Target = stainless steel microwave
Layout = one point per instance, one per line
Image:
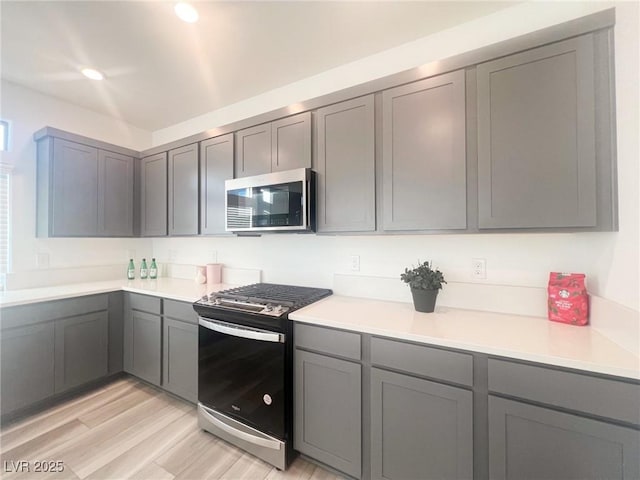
(274, 202)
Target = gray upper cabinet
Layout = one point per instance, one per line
(345, 166)
(216, 166)
(74, 187)
(153, 195)
(26, 365)
(424, 155)
(81, 349)
(280, 145)
(84, 189)
(183, 195)
(527, 441)
(115, 194)
(536, 141)
(291, 142)
(253, 151)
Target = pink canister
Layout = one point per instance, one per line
(214, 272)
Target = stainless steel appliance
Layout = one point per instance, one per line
(274, 202)
(245, 366)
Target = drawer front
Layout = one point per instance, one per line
(144, 303)
(598, 396)
(422, 360)
(326, 340)
(181, 311)
(44, 311)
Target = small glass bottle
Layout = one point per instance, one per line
(143, 269)
(131, 270)
(153, 271)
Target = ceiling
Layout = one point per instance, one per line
(161, 71)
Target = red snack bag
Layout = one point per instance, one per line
(568, 298)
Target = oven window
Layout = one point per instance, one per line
(243, 378)
(268, 206)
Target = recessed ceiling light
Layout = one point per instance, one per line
(92, 73)
(186, 12)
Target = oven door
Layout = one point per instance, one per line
(241, 374)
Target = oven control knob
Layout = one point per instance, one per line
(278, 309)
(268, 307)
(267, 399)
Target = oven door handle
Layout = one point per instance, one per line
(252, 334)
(247, 437)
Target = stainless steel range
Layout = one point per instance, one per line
(245, 366)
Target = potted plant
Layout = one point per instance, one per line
(425, 284)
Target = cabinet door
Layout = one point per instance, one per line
(346, 166)
(419, 429)
(291, 142)
(153, 195)
(216, 166)
(327, 411)
(143, 346)
(26, 365)
(536, 143)
(81, 349)
(115, 194)
(253, 151)
(534, 442)
(183, 190)
(180, 362)
(424, 154)
(74, 187)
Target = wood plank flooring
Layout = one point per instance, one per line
(129, 430)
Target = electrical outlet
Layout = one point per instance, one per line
(479, 268)
(354, 263)
(42, 260)
(214, 256)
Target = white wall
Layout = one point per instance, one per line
(610, 260)
(29, 111)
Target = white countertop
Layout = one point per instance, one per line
(173, 288)
(526, 338)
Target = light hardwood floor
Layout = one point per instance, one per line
(128, 430)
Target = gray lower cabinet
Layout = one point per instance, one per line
(424, 154)
(182, 190)
(180, 350)
(536, 138)
(143, 339)
(27, 365)
(328, 411)
(419, 429)
(270, 147)
(345, 166)
(84, 189)
(216, 166)
(81, 349)
(153, 195)
(527, 441)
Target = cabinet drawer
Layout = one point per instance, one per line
(45, 311)
(181, 311)
(574, 391)
(421, 360)
(333, 342)
(145, 303)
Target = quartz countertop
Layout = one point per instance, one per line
(173, 288)
(520, 337)
(533, 339)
